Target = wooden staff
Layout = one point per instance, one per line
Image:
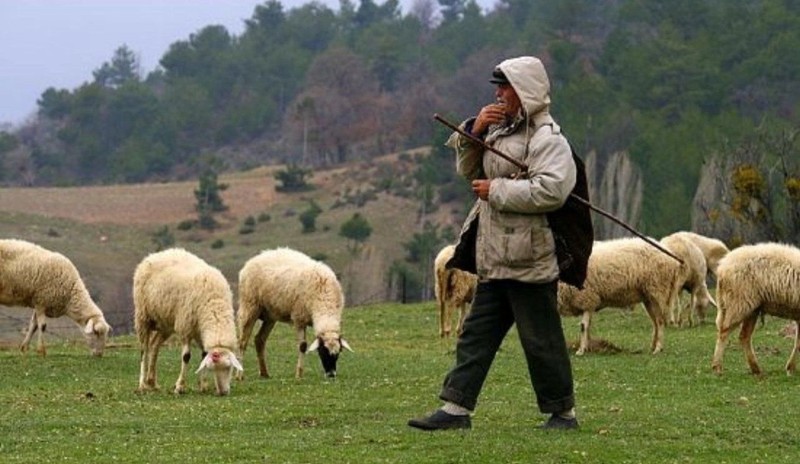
(524, 171)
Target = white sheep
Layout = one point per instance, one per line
(48, 282)
(176, 292)
(692, 277)
(284, 285)
(622, 273)
(454, 289)
(753, 280)
(713, 249)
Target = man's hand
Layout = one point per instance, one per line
(481, 188)
(494, 113)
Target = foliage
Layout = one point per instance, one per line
(668, 83)
(209, 200)
(633, 407)
(293, 179)
(308, 218)
(356, 229)
(163, 238)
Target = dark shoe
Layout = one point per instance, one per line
(441, 420)
(557, 422)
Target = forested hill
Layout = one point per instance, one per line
(667, 84)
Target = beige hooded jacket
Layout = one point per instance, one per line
(514, 240)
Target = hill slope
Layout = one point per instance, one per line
(107, 230)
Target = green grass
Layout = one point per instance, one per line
(633, 407)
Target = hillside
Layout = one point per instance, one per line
(107, 230)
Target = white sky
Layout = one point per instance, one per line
(58, 43)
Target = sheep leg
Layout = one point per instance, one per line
(261, 344)
(790, 364)
(445, 316)
(746, 340)
(154, 344)
(302, 346)
(32, 327)
(586, 324)
(657, 318)
(186, 355)
(144, 342)
(723, 331)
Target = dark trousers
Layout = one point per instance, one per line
(497, 306)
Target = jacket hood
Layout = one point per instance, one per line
(529, 79)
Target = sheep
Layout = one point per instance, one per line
(285, 285)
(692, 276)
(48, 282)
(176, 292)
(621, 273)
(752, 280)
(713, 251)
(453, 288)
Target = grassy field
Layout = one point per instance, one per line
(633, 407)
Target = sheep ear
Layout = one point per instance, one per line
(204, 364)
(314, 345)
(713, 302)
(346, 345)
(89, 329)
(235, 363)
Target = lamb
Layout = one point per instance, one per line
(176, 292)
(753, 280)
(287, 286)
(48, 282)
(692, 276)
(454, 289)
(622, 273)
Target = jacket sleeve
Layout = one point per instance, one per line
(469, 154)
(552, 174)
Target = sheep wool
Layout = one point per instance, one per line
(454, 289)
(48, 282)
(752, 280)
(284, 285)
(176, 292)
(713, 249)
(691, 277)
(621, 273)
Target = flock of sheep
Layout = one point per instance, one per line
(177, 293)
(752, 280)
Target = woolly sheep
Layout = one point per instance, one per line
(713, 250)
(48, 282)
(176, 292)
(287, 286)
(621, 273)
(692, 277)
(454, 289)
(753, 280)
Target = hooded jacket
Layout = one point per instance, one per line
(512, 238)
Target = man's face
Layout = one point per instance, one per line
(506, 95)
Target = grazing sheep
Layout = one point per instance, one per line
(622, 273)
(176, 292)
(692, 278)
(754, 280)
(454, 288)
(288, 286)
(713, 250)
(48, 282)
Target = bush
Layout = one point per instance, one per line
(218, 243)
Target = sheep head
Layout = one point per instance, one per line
(96, 332)
(329, 345)
(221, 362)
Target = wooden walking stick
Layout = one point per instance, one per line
(524, 171)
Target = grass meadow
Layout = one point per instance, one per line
(633, 407)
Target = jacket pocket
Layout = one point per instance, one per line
(525, 241)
